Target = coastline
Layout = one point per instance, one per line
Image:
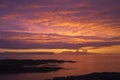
(12, 66)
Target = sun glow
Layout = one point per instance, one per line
(106, 50)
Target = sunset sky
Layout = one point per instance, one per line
(60, 25)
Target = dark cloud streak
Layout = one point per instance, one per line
(21, 43)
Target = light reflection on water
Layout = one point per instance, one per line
(85, 64)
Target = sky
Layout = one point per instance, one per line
(60, 25)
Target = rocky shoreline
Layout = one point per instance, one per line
(30, 66)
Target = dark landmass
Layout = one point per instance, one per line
(92, 76)
(29, 66)
(14, 70)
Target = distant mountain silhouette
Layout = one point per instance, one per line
(76, 53)
(31, 53)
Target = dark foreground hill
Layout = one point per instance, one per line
(92, 76)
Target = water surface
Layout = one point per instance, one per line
(84, 64)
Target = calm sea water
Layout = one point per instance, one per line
(85, 64)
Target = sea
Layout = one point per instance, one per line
(85, 64)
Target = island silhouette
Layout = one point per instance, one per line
(12, 66)
(76, 52)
